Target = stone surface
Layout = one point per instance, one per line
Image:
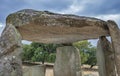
(34, 70)
(48, 27)
(105, 58)
(67, 62)
(115, 36)
(100, 59)
(10, 50)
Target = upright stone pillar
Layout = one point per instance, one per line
(34, 70)
(10, 51)
(105, 58)
(67, 62)
(100, 59)
(115, 36)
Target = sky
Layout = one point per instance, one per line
(102, 9)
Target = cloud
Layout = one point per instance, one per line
(103, 9)
(98, 7)
(108, 7)
(94, 7)
(49, 4)
(115, 17)
(79, 6)
(1, 28)
(1, 25)
(73, 8)
(7, 7)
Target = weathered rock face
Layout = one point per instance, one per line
(101, 59)
(10, 50)
(115, 36)
(67, 62)
(34, 70)
(105, 58)
(47, 27)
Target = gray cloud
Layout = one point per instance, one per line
(103, 9)
(98, 7)
(8, 6)
(79, 7)
(49, 4)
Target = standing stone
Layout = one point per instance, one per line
(34, 70)
(38, 70)
(67, 62)
(100, 59)
(115, 36)
(10, 51)
(105, 57)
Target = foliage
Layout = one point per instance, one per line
(28, 52)
(92, 57)
(40, 55)
(47, 52)
(39, 52)
(87, 52)
(51, 58)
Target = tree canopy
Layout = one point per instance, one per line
(47, 52)
(39, 52)
(87, 52)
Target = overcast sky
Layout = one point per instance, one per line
(103, 9)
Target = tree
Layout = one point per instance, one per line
(40, 52)
(46, 52)
(51, 57)
(87, 52)
(27, 52)
(92, 57)
(40, 55)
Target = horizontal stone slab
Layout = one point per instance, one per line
(48, 27)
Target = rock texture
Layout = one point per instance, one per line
(100, 59)
(34, 70)
(48, 27)
(105, 58)
(10, 50)
(115, 36)
(67, 62)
